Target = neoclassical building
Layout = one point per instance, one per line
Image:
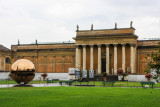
(103, 50)
(106, 50)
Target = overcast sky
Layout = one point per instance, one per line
(56, 20)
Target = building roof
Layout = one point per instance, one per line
(59, 42)
(149, 39)
(3, 48)
(106, 33)
(44, 46)
(148, 42)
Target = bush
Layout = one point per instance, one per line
(104, 74)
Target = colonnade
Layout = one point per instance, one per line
(132, 57)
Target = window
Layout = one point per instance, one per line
(7, 60)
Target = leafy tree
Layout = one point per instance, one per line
(154, 62)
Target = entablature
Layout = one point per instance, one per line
(107, 41)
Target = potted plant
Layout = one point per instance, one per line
(44, 75)
(148, 76)
(128, 70)
(119, 71)
(104, 76)
(123, 74)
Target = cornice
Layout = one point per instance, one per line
(102, 37)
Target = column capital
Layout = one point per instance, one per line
(123, 44)
(77, 46)
(107, 45)
(91, 45)
(99, 45)
(132, 44)
(84, 45)
(115, 44)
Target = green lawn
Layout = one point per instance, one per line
(97, 83)
(120, 84)
(79, 97)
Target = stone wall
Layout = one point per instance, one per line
(4, 76)
(61, 76)
(49, 58)
(138, 78)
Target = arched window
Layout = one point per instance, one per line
(7, 60)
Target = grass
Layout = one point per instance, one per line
(120, 84)
(79, 97)
(97, 83)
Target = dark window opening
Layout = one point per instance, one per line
(7, 60)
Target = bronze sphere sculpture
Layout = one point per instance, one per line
(22, 71)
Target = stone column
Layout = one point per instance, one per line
(76, 56)
(79, 58)
(91, 57)
(99, 58)
(132, 57)
(123, 58)
(54, 63)
(107, 58)
(115, 58)
(84, 57)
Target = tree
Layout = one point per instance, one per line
(154, 62)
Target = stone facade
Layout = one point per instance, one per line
(99, 50)
(113, 49)
(144, 49)
(5, 59)
(49, 58)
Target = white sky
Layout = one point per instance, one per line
(56, 20)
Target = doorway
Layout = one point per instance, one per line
(103, 65)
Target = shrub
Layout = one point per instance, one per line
(104, 74)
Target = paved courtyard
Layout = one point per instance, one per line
(30, 85)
